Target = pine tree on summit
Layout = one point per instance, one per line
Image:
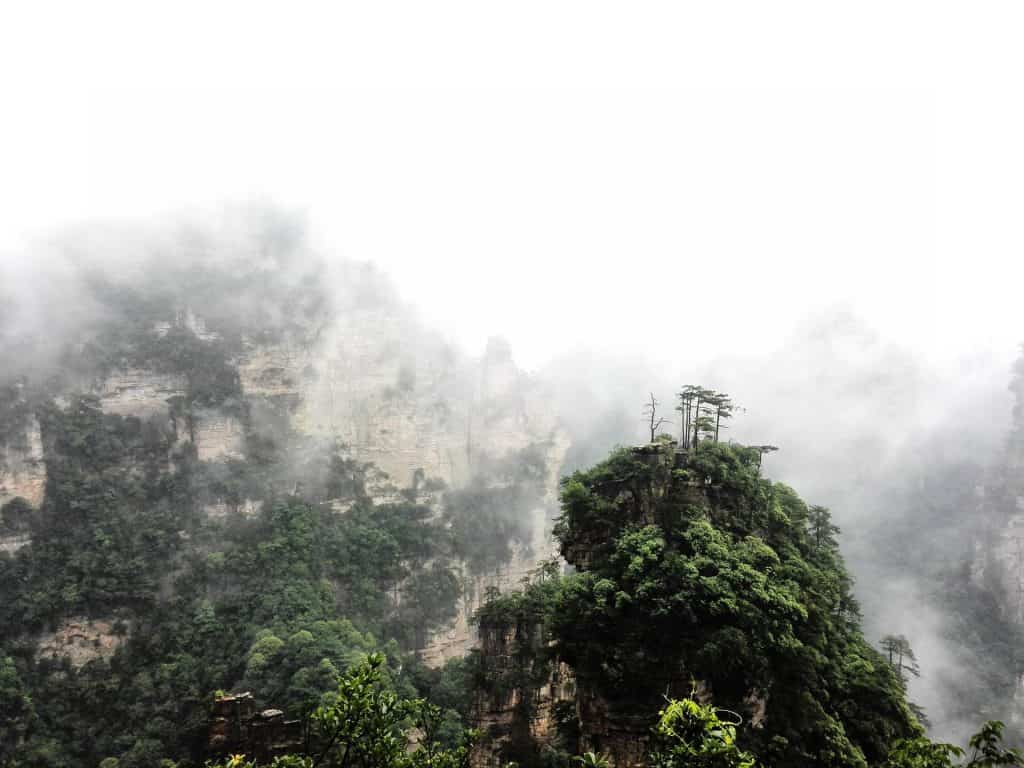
(703, 412)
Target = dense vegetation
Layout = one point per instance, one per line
(274, 569)
(291, 569)
(278, 602)
(701, 569)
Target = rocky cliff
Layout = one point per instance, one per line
(359, 372)
(531, 703)
(694, 576)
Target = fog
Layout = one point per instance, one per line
(823, 224)
(873, 428)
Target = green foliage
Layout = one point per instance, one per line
(279, 601)
(16, 710)
(705, 570)
(112, 508)
(15, 416)
(901, 656)
(592, 760)
(15, 515)
(493, 513)
(986, 747)
(693, 735)
(364, 724)
(295, 574)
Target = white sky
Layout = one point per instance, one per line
(558, 173)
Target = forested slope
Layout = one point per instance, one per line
(193, 495)
(693, 575)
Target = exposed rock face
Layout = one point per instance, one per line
(141, 393)
(237, 728)
(998, 539)
(532, 700)
(623, 734)
(997, 565)
(371, 379)
(515, 719)
(274, 371)
(458, 638)
(22, 471)
(14, 542)
(80, 640)
(403, 400)
(217, 436)
(249, 508)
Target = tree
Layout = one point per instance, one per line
(686, 397)
(762, 450)
(922, 753)
(650, 411)
(724, 409)
(693, 735)
(821, 528)
(366, 725)
(16, 711)
(986, 746)
(703, 412)
(901, 656)
(693, 404)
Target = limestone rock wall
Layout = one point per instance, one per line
(248, 508)
(138, 392)
(373, 379)
(998, 561)
(461, 635)
(22, 471)
(398, 397)
(515, 719)
(217, 436)
(80, 640)
(522, 721)
(404, 400)
(14, 542)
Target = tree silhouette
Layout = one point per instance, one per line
(650, 411)
(703, 411)
(901, 656)
(762, 450)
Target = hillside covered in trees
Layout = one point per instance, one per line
(236, 482)
(227, 475)
(692, 574)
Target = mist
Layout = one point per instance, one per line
(414, 265)
(898, 446)
(866, 425)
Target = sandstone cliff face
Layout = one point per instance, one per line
(139, 392)
(998, 535)
(369, 378)
(402, 399)
(22, 472)
(460, 636)
(516, 718)
(80, 640)
(22, 476)
(532, 700)
(552, 711)
(993, 527)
